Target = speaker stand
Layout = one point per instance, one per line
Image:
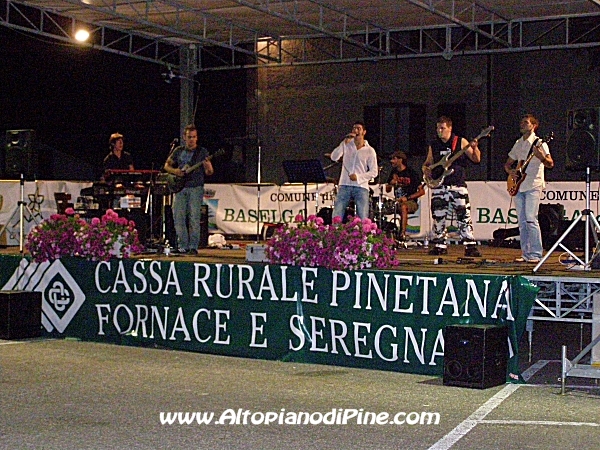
(591, 226)
(20, 208)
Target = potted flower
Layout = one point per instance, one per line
(357, 244)
(69, 235)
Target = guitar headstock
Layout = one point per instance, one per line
(485, 132)
(548, 137)
(216, 154)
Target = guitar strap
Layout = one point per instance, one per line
(534, 143)
(454, 142)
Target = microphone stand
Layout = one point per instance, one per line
(258, 193)
(150, 241)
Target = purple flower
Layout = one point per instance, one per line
(69, 235)
(357, 244)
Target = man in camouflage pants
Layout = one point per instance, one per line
(452, 192)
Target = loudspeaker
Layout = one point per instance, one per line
(575, 240)
(142, 222)
(21, 156)
(550, 218)
(475, 356)
(583, 130)
(393, 126)
(20, 314)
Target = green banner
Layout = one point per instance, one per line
(386, 320)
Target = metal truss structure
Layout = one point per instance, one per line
(227, 34)
(570, 300)
(564, 299)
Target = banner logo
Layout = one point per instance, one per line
(61, 295)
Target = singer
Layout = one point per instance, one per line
(117, 159)
(359, 165)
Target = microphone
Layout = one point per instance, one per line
(350, 136)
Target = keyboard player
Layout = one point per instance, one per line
(117, 159)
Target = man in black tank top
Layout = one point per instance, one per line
(452, 193)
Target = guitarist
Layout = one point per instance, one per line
(527, 199)
(452, 193)
(187, 203)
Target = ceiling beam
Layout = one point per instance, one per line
(40, 22)
(346, 35)
(129, 11)
(453, 17)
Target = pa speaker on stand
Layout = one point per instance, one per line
(21, 155)
(583, 133)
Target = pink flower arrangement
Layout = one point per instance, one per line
(68, 235)
(357, 244)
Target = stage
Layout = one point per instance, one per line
(218, 302)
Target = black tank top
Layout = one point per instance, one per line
(441, 149)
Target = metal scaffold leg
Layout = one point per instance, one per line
(573, 368)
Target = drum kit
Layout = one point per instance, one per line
(382, 210)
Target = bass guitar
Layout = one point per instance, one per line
(441, 169)
(176, 184)
(514, 181)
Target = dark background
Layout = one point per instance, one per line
(74, 98)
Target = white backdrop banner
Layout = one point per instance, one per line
(234, 209)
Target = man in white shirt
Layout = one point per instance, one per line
(359, 166)
(528, 192)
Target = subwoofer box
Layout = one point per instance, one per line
(20, 314)
(475, 356)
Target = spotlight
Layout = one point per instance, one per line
(82, 35)
(169, 76)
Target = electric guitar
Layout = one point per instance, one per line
(176, 184)
(514, 181)
(441, 169)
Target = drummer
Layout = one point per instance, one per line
(407, 186)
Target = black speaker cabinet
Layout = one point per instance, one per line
(20, 314)
(21, 157)
(141, 219)
(583, 133)
(396, 125)
(575, 240)
(550, 217)
(475, 356)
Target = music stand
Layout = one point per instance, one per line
(305, 171)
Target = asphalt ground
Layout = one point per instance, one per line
(68, 394)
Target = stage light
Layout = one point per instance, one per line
(82, 35)
(169, 76)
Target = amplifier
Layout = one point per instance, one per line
(20, 314)
(475, 356)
